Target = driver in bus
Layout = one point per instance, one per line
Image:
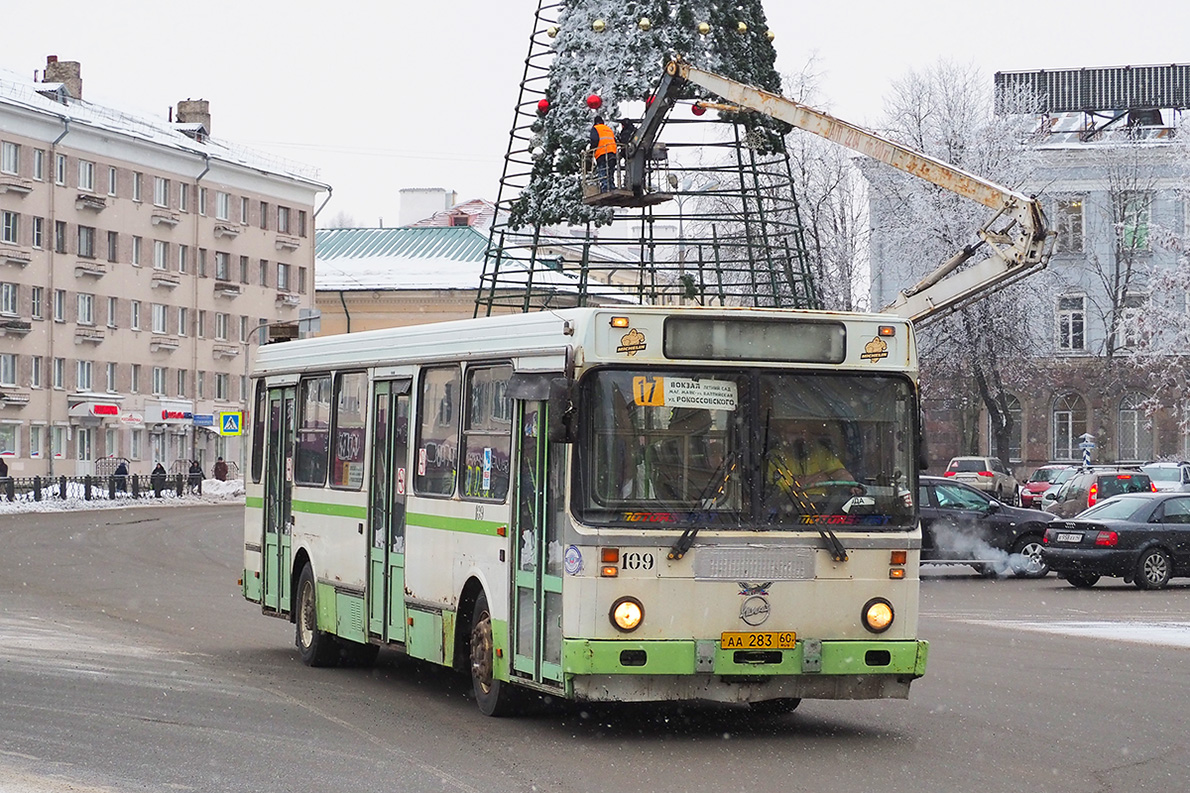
(802, 456)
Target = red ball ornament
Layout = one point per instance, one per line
(543, 106)
(594, 102)
(697, 110)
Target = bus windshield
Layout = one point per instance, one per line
(756, 449)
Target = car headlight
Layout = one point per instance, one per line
(877, 615)
(627, 614)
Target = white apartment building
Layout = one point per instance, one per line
(138, 259)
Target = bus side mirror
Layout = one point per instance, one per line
(561, 413)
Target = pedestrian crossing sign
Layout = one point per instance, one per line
(231, 423)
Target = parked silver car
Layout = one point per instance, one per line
(987, 474)
(1169, 477)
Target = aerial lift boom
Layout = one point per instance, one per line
(1017, 234)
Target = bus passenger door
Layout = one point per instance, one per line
(537, 606)
(386, 515)
(278, 497)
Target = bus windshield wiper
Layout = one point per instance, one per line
(714, 491)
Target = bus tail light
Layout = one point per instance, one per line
(896, 561)
(609, 562)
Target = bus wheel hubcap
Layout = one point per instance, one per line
(481, 653)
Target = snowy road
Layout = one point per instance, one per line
(128, 661)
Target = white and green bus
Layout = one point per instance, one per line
(581, 503)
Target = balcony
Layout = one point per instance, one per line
(164, 217)
(228, 289)
(10, 183)
(167, 343)
(287, 242)
(10, 397)
(94, 203)
(164, 279)
(288, 299)
(226, 230)
(17, 256)
(90, 269)
(11, 326)
(86, 334)
(225, 351)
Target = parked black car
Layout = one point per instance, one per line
(1140, 537)
(961, 525)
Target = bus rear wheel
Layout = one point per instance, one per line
(494, 697)
(317, 648)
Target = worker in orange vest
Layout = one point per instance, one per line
(603, 149)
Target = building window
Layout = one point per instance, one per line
(10, 158)
(35, 371)
(86, 305)
(200, 385)
(10, 436)
(1133, 430)
(1071, 323)
(83, 439)
(202, 201)
(86, 176)
(137, 181)
(183, 250)
(183, 198)
(112, 180)
(159, 318)
(244, 329)
(10, 226)
(301, 271)
(301, 223)
(1135, 209)
(59, 305)
(222, 206)
(59, 236)
(201, 324)
(37, 302)
(221, 326)
(111, 311)
(8, 370)
(59, 373)
(58, 442)
(134, 378)
(264, 272)
(1127, 321)
(39, 164)
(1070, 424)
(264, 215)
(183, 318)
(222, 266)
(243, 269)
(113, 246)
(283, 220)
(38, 232)
(134, 314)
(138, 445)
(137, 244)
(181, 382)
(160, 191)
(159, 381)
(244, 210)
(160, 255)
(282, 277)
(60, 170)
(111, 377)
(8, 298)
(202, 262)
(86, 248)
(83, 380)
(1069, 223)
(221, 387)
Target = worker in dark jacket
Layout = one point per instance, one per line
(603, 149)
(157, 480)
(195, 477)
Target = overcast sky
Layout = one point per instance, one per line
(384, 95)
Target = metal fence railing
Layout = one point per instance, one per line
(94, 488)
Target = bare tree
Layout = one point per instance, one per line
(340, 220)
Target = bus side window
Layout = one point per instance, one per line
(487, 433)
(314, 431)
(438, 409)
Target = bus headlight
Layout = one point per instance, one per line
(877, 615)
(627, 614)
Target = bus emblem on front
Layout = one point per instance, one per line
(755, 610)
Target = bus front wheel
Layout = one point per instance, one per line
(494, 697)
(317, 648)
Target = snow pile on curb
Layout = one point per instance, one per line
(213, 492)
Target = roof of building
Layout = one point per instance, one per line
(17, 91)
(433, 257)
(477, 212)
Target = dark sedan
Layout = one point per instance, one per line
(961, 525)
(1140, 537)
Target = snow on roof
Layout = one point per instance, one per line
(18, 91)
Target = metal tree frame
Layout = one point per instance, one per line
(739, 239)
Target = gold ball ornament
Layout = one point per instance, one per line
(742, 27)
(644, 24)
(552, 31)
(770, 35)
(598, 26)
(704, 28)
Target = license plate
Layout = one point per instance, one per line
(764, 640)
(1063, 537)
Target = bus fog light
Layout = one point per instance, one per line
(627, 614)
(877, 615)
